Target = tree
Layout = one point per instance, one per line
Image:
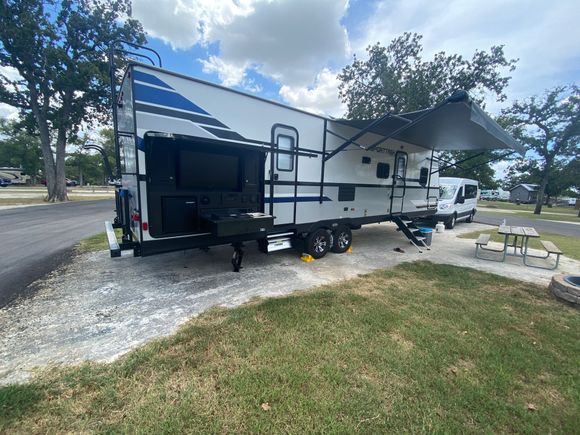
(396, 79)
(58, 50)
(476, 168)
(19, 149)
(549, 127)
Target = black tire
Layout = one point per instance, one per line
(451, 222)
(318, 243)
(470, 217)
(341, 239)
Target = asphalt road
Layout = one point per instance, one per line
(496, 218)
(34, 240)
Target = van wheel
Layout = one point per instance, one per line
(341, 239)
(470, 217)
(451, 222)
(318, 243)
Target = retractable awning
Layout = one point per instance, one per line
(454, 124)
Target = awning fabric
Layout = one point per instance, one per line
(456, 124)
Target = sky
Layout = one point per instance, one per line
(291, 50)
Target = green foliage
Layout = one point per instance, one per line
(58, 50)
(549, 127)
(474, 168)
(397, 79)
(19, 149)
(413, 349)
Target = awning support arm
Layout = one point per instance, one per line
(357, 136)
(478, 165)
(340, 136)
(446, 161)
(410, 124)
(456, 164)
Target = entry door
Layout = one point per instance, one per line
(399, 183)
(283, 170)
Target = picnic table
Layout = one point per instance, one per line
(522, 236)
(525, 233)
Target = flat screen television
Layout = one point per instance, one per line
(209, 171)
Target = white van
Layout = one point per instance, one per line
(457, 200)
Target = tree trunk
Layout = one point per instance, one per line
(540, 198)
(60, 182)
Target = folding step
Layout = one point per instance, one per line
(279, 242)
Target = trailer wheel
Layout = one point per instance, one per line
(341, 239)
(318, 243)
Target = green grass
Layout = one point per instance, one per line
(416, 348)
(570, 245)
(40, 200)
(98, 242)
(525, 207)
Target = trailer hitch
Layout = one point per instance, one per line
(237, 256)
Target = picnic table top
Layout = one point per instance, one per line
(518, 231)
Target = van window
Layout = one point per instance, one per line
(447, 191)
(470, 191)
(285, 162)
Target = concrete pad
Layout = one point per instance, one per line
(98, 308)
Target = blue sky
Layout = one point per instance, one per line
(291, 51)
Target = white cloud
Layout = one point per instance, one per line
(8, 112)
(543, 35)
(229, 74)
(184, 23)
(322, 98)
(10, 73)
(290, 41)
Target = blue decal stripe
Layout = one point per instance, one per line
(165, 98)
(148, 78)
(223, 134)
(297, 199)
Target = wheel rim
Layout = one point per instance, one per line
(320, 244)
(453, 221)
(343, 240)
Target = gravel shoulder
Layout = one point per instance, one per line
(97, 308)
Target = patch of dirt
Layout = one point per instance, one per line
(403, 343)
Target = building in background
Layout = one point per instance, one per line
(524, 193)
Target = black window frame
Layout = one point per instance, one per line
(293, 139)
(467, 186)
(423, 175)
(379, 173)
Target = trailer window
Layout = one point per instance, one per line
(285, 162)
(383, 170)
(423, 176)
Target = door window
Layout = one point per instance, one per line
(401, 167)
(284, 161)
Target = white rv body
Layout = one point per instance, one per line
(300, 190)
(202, 165)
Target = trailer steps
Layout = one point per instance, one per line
(414, 234)
(278, 242)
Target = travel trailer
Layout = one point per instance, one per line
(202, 165)
(16, 176)
(457, 201)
